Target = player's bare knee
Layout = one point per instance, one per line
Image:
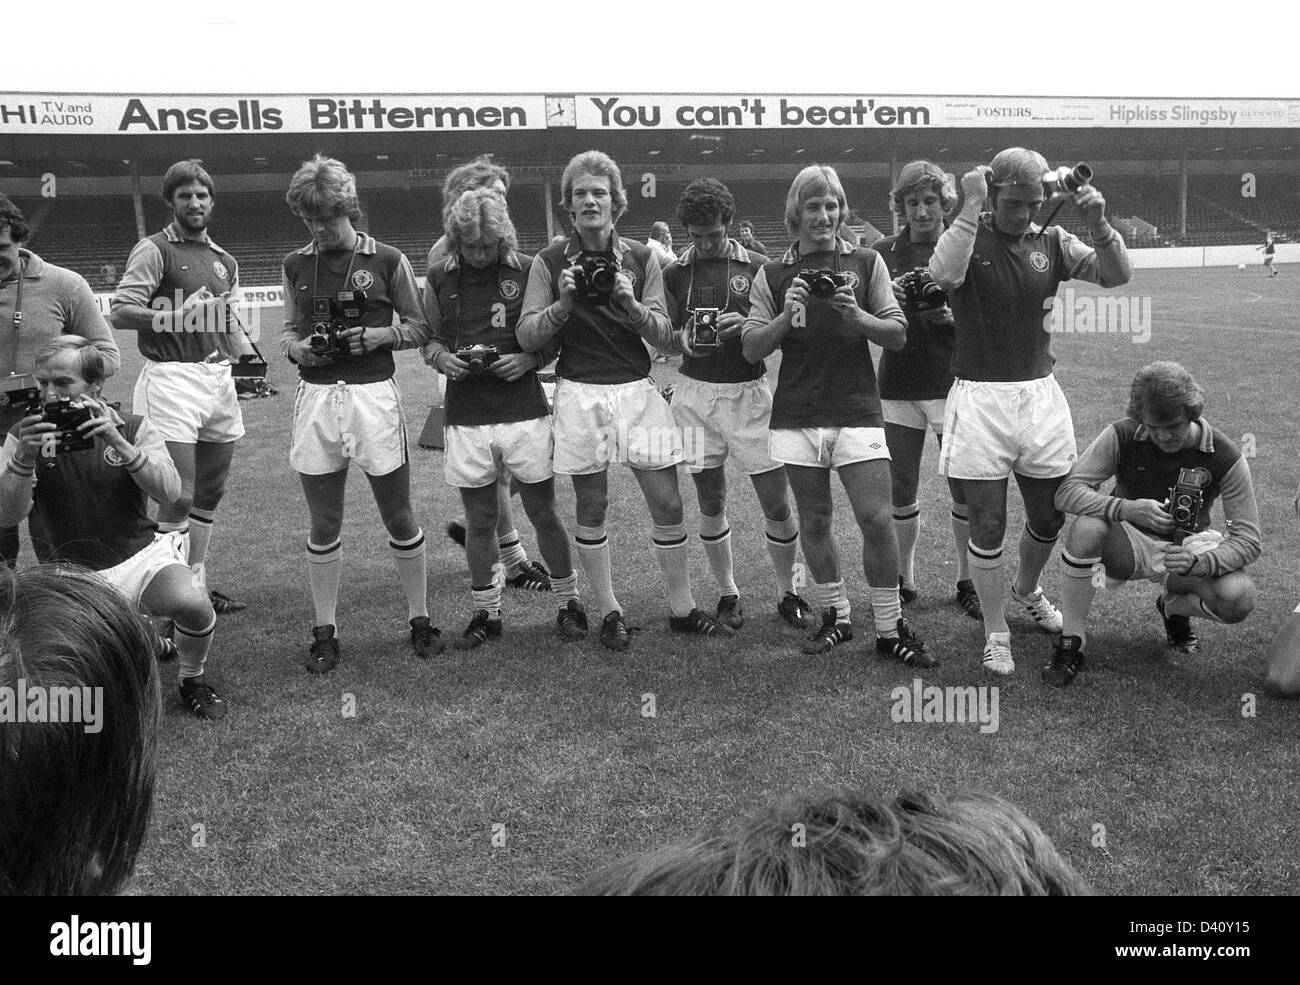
(1087, 536)
(1235, 599)
(815, 522)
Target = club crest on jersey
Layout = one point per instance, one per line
(1038, 261)
(851, 279)
(509, 289)
(739, 284)
(112, 457)
(219, 269)
(362, 279)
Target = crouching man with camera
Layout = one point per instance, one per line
(88, 475)
(1169, 466)
(599, 295)
(341, 292)
(497, 418)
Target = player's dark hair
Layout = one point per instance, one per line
(857, 844)
(704, 202)
(182, 173)
(323, 186)
(90, 361)
(1164, 390)
(12, 216)
(74, 805)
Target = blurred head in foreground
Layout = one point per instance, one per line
(78, 760)
(856, 844)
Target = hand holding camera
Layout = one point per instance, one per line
(514, 365)
(337, 326)
(917, 291)
(60, 426)
(1147, 514)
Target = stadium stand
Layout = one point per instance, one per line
(85, 233)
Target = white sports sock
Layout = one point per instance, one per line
(670, 551)
(991, 587)
(907, 527)
(783, 547)
(412, 572)
(715, 532)
(324, 566)
(593, 551)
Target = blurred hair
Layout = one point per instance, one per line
(74, 806)
(856, 844)
(601, 165)
(922, 176)
(660, 231)
(90, 361)
(1164, 390)
(323, 186)
(706, 201)
(182, 173)
(816, 179)
(12, 216)
(1018, 166)
(478, 173)
(479, 214)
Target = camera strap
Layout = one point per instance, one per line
(18, 312)
(690, 284)
(347, 275)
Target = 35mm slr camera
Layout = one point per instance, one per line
(19, 388)
(478, 357)
(331, 316)
(594, 281)
(823, 283)
(920, 292)
(67, 415)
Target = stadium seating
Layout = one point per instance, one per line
(85, 233)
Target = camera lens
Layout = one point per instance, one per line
(603, 280)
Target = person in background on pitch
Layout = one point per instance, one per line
(521, 572)
(177, 295)
(497, 417)
(74, 803)
(748, 240)
(1270, 251)
(822, 304)
(725, 400)
(606, 407)
(38, 302)
(1006, 413)
(915, 380)
(1129, 535)
(347, 406)
(93, 506)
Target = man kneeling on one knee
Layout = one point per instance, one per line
(1165, 459)
(88, 479)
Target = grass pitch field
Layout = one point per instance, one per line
(548, 741)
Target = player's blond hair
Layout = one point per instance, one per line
(323, 186)
(479, 214)
(816, 179)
